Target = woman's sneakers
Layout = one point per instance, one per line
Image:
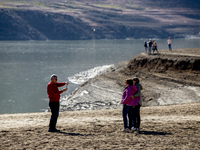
(131, 130)
(135, 129)
(126, 130)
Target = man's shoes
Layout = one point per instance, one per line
(53, 130)
(57, 130)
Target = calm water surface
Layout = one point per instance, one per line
(25, 66)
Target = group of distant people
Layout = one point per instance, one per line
(152, 46)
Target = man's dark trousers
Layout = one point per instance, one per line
(54, 106)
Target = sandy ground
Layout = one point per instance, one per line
(162, 127)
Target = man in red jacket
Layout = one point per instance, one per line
(54, 98)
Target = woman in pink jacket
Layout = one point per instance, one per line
(128, 104)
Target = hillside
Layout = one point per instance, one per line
(97, 19)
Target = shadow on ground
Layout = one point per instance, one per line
(74, 134)
(154, 133)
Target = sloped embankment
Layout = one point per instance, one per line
(165, 62)
(179, 65)
(167, 77)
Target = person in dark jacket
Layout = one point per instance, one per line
(150, 46)
(136, 109)
(145, 46)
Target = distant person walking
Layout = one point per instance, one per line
(169, 44)
(54, 99)
(136, 109)
(128, 104)
(145, 46)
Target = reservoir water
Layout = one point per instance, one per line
(25, 66)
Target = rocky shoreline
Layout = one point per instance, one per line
(167, 77)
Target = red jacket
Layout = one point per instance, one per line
(53, 92)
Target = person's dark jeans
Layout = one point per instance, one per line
(127, 110)
(170, 47)
(136, 116)
(54, 106)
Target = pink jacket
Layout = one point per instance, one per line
(126, 96)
